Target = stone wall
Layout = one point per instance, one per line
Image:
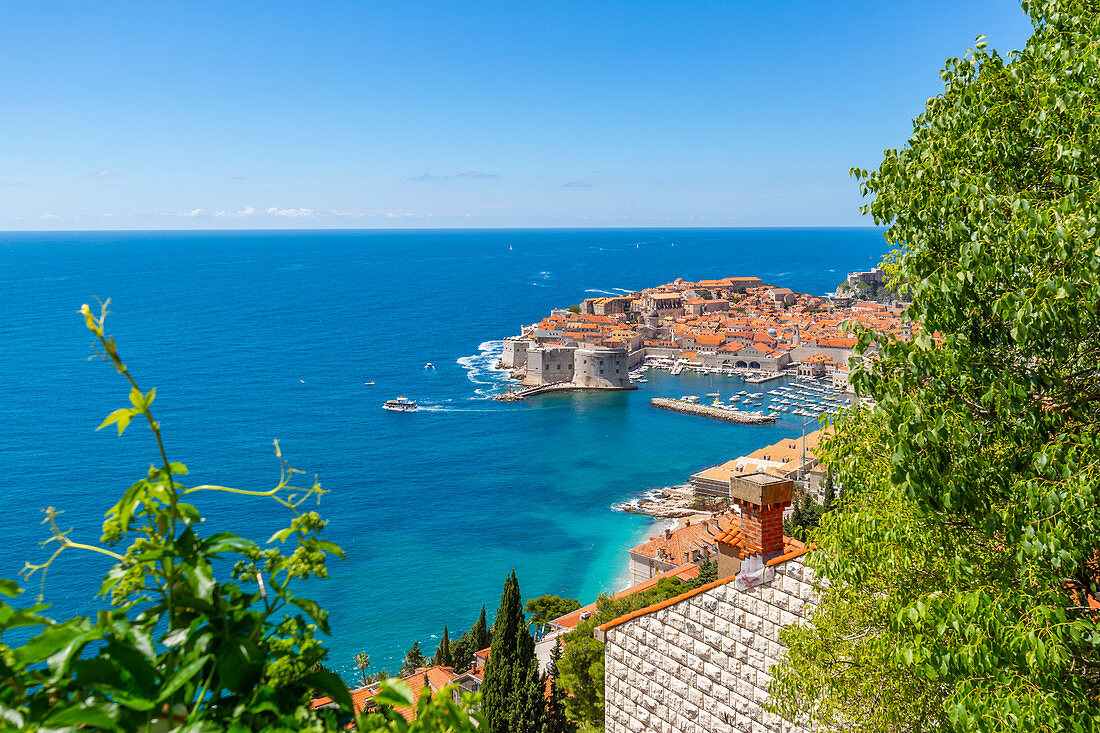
(514, 352)
(601, 368)
(549, 364)
(703, 664)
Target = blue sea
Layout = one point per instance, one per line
(255, 336)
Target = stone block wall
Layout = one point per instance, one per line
(702, 665)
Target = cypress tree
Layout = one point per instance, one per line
(480, 632)
(528, 697)
(462, 651)
(443, 656)
(556, 720)
(511, 652)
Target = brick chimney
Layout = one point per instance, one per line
(762, 499)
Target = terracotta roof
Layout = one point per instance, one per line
(437, 677)
(792, 548)
(686, 540)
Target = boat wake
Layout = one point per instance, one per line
(448, 408)
(612, 292)
(481, 369)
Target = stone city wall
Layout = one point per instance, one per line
(702, 664)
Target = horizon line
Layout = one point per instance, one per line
(434, 229)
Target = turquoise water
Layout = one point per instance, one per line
(252, 336)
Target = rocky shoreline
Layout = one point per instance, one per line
(670, 502)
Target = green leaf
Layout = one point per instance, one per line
(330, 547)
(53, 640)
(329, 683)
(281, 535)
(182, 676)
(228, 542)
(240, 663)
(395, 693)
(9, 588)
(120, 417)
(82, 716)
(317, 613)
(202, 580)
(175, 637)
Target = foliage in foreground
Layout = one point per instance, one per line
(966, 549)
(180, 648)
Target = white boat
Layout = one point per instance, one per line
(429, 365)
(369, 384)
(401, 404)
(712, 394)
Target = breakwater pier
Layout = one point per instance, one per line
(522, 394)
(719, 413)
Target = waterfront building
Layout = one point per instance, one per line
(790, 458)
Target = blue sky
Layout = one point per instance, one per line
(492, 114)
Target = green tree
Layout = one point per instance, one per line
(556, 720)
(474, 640)
(443, 656)
(965, 552)
(481, 633)
(708, 573)
(529, 697)
(508, 670)
(574, 309)
(549, 607)
(805, 517)
(462, 652)
(414, 660)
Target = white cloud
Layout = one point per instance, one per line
(296, 213)
(104, 173)
(194, 212)
(246, 211)
(49, 217)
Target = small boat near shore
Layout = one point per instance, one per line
(401, 404)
